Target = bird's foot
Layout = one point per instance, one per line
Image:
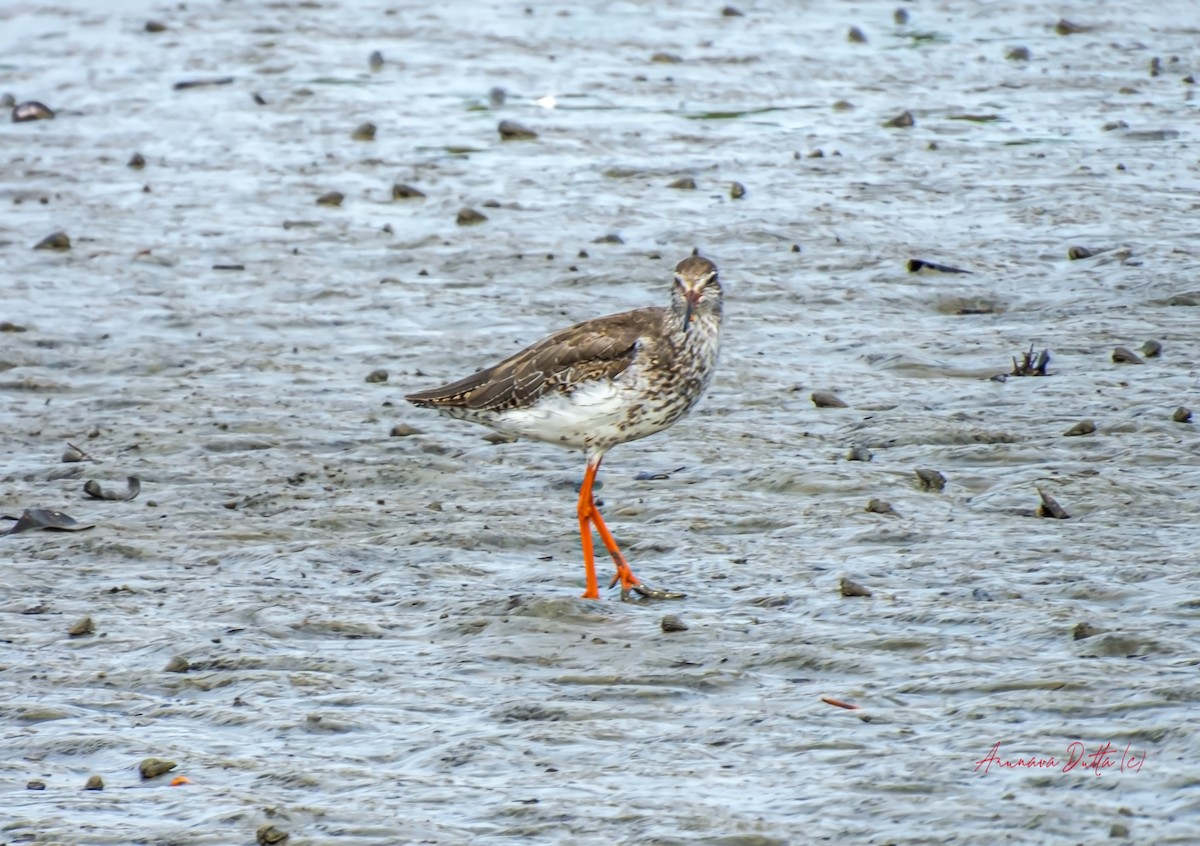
(631, 584)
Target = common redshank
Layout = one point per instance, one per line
(601, 383)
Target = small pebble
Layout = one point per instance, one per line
(401, 191)
(1076, 253)
(7, 326)
(469, 217)
(1124, 355)
(269, 835)
(879, 506)
(331, 198)
(930, 480)
(665, 59)
(57, 241)
(737, 190)
(1018, 54)
(859, 453)
(1065, 27)
(1082, 631)
(1155, 66)
(856, 36)
(825, 399)
(684, 183)
(1050, 507)
(610, 238)
(497, 97)
(1119, 830)
(1182, 415)
(1083, 427)
(901, 121)
(178, 664)
(35, 784)
(900, 16)
(843, 106)
(731, 12)
(94, 783)
(155, 26)
(510, 130)
(1152, 349)
(364, 132)
(136, 161)
(403, 430)
(379, 375)
(375, 60)
(672, 623)
(71, 455)
(31, 110)
(83, 626)
(153, 767)
(849, 587)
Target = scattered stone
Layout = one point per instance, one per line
(1112, 126)
(202, 83)
(331, 198)
(497, 97)
(684, 183)
(849, 587)
(1182, 415)
(500, 438)
(94, 783)
(375, 60)
(1077, 253)
(901, 121)
(731, 12)
(859, 453)
(1083, 427)
(1050, 508)
(825, 399)
(665, 59)
(45, 518)
(379, 375)
(73, 454)
(178, 664)
(364, 132)
(403, 430)
(900, 16)
(1065, 27)
(469, 217)
(672, 623)
(258, 99)
(923, 266)
(843, 106)
(269, 835)
(133, 487)
(153, 767)
(1152, 349)
(401, 191)
(510, 130)
(56, 241)
(930, 480)
(6, 326)
(155, 26)
(879, 506)
(35, 784)
(81, 627)
(610, 238)
(31, 110)
(1031, 365)
(856, 36)
(1124, 355)
(1083, 631)
(736, 191)
(1156, 66)
(136, 161)
(1018, 54)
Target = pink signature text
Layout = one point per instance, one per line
(1106, 757)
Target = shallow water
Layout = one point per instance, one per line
(383, 634)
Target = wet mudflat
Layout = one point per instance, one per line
(359, 637)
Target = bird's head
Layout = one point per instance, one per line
(697, 293)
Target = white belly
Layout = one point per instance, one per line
(595, 411)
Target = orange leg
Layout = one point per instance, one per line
(586, 508)
(589, 516)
